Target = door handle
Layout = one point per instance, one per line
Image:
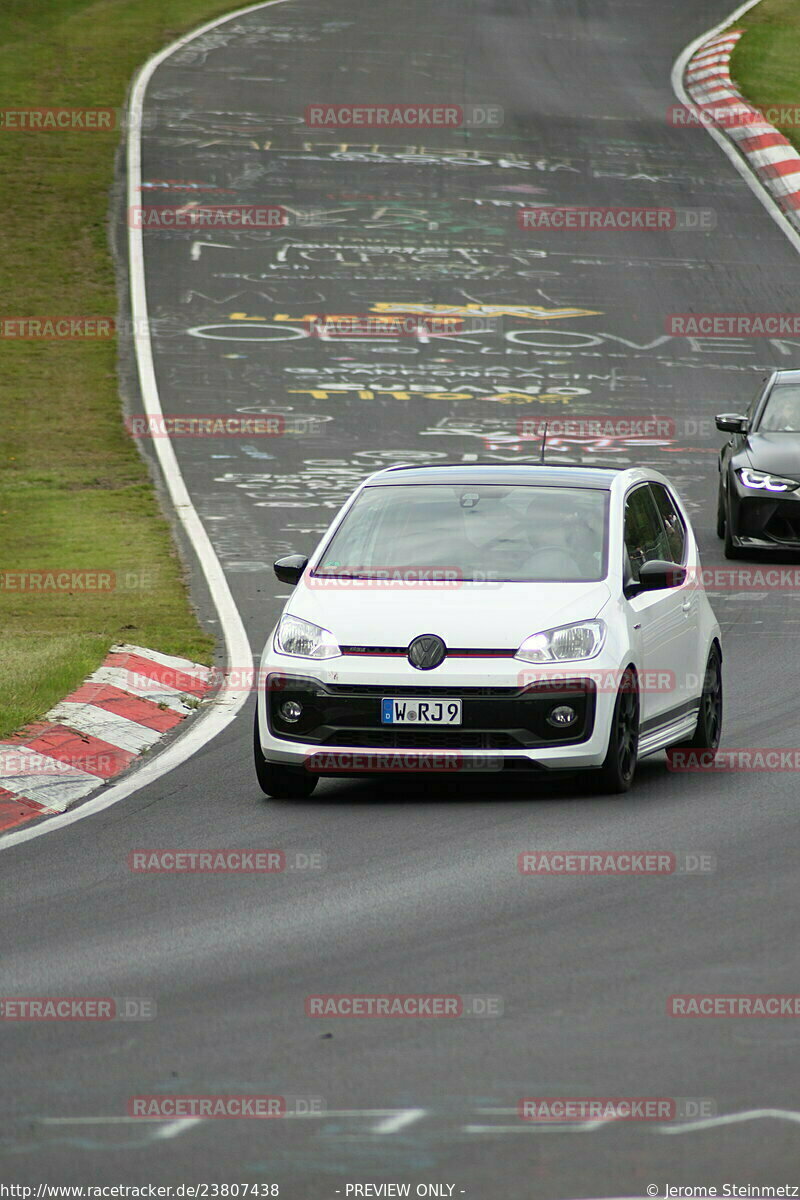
(687, 606)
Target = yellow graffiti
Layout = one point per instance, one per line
(445, 313)
(530, 312)
(320, 393)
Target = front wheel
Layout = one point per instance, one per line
(709, 717)
(278, 781)
(617, 772)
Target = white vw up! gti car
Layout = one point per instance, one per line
(491, 617)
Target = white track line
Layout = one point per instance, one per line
(393, 1114)
(741, 165)
(239, 654)
(751, 1114)
(533, 1127)
(176, 1127)
(399, 1121)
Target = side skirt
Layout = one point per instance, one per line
(672, 730)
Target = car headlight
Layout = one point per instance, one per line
(566, 643)
(304, 640)
(766, 482)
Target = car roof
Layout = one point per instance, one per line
(792, 373)
(525, 474)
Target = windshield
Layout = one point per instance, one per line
(782, 413)
(526, 534)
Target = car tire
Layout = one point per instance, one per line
(721, 522)
(709, 719)
(619, 768)
(278, 781)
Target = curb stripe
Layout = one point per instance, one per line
(198, 670)
(85, 753)
(707, 75)
(16, 810)
(698, 74)
(762, 140)
(731, 100)
(717, 92)
(50, 783)
(143, 688)
(743, 133)
(115, 700)
(100, 723)
(177, 681)
(712, 60)
(119, 712)
(788, 165)
(770, 155)
(775, 161)
(784, 187)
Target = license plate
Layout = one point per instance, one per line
(411, 711)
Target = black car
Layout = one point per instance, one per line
(759, 470)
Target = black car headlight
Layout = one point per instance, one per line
(762, 481)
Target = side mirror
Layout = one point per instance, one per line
(658, 574)
(290, 568)
(732, 423)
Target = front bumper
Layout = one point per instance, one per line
(763, 521)
(505, 711)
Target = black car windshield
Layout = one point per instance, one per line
(520, 534)
(782, 411)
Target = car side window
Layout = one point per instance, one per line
(673, 525)
(645, 538)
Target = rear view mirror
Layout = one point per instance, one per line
(732, 423)
(659, 574)
(290, 568)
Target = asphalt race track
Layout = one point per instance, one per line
(419, 891)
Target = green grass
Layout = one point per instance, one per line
(766, 61)
(74, 492)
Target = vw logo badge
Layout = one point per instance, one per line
(426, 652)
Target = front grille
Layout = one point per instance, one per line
(381, 651)
(416, 739)
(385, 689)
(402, 652)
